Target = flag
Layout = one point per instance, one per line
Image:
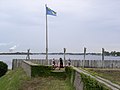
(50, 12)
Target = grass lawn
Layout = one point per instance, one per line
(46, 83)
(111, 74)
(56, 81)
(17, 80)
(13, 79)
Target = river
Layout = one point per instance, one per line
(8, 58)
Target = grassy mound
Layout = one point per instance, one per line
(13, 79)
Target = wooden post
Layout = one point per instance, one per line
(103, 57)
(64, 56)
(84, 56)
(103, 54)
(28, 54)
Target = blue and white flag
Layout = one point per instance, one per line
(50, 12)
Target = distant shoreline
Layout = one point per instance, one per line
(25, 53)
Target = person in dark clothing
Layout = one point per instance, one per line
(61, 63)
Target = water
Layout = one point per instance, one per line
(8, 58)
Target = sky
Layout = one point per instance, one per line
(93, 24)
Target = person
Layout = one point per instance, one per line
(69, 62)
(53, 63)
(61, 63)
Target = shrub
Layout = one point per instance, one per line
(41, 70)
(3, 68)
(70, 74)
(92, 84)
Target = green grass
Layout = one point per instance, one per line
(17, 80)
(56, 81)
(13, 79)
(46, 83)
(111, 74)
(92, 84)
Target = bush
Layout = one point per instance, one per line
(92, 84)
(40, 70)
(3, 68)
(70, 74)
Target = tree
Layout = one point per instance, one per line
(113, 53)
(106, 53)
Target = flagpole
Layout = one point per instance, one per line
(46, 38)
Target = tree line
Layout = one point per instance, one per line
(112, 53)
